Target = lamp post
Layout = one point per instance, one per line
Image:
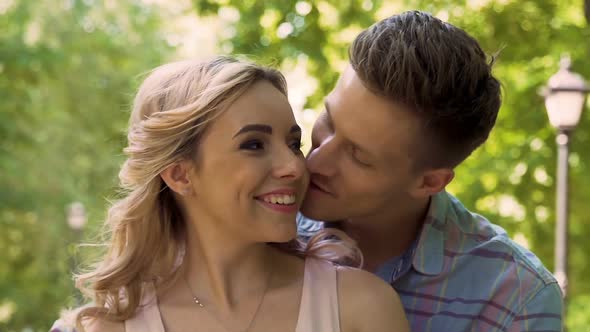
(76, 216)
(565, 96)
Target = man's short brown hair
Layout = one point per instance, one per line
(440, 73)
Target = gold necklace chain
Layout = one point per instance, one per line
(201, 305)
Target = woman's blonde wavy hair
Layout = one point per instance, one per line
(171, 111)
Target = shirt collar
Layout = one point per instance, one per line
(429, 253)
(398, 266)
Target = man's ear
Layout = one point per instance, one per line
(432, 182)
(177, 178)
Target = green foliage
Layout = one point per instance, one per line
(66, 72)
(511, 178)
(320, 32)
(578, 318)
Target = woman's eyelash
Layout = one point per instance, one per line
(252, 145)
(259, 145)
(297, 144)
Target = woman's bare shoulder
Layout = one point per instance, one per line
(98, 324)
(367, 303)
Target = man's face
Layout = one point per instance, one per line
(359, 161)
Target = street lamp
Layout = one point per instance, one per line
(76, 216)
(565, 95)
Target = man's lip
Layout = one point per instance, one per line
(315, 185)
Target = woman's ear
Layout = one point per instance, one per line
(177, 177)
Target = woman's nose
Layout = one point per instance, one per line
(289, 165)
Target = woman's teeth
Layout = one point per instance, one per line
(280, 199)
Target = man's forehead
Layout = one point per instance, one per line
(354, 109)
(347, 78)
(350, 86)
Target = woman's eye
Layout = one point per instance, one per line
(296, 145)
(252, 145)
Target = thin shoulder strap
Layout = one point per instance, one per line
(319, 310)
(147, 317)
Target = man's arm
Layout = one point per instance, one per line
(544, 312)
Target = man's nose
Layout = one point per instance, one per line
(321, 160)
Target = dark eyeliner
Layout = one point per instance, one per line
(252, 145)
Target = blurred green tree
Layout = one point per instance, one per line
(511, 178)
(66, 72)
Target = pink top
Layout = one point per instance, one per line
(318, 311)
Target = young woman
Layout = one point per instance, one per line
(205, 236)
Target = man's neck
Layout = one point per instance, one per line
(381, 238)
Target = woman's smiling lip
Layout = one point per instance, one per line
(281, 191)
(283, 208)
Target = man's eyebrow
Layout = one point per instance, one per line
(266, 129)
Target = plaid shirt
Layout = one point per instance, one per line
(463, 273)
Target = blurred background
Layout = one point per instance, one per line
(69, 68)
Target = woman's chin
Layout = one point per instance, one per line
(283, 234)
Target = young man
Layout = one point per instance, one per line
(416, 100)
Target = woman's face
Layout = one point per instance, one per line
(250, 177)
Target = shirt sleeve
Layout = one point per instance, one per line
(543, 313)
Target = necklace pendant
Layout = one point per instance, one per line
(198, 302)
